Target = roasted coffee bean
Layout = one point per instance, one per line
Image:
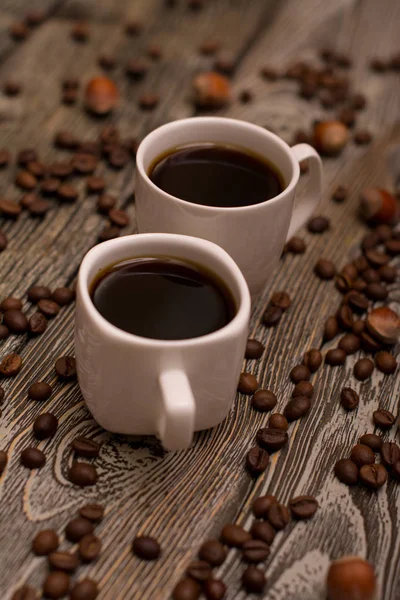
(383, 419)
(39, 207)
(84, 590)
(297, 408)
(89, 548)
(278, 421)
(49, 308)
(5, 157)
(199, 570)
(213, 552)
(107, 62)
(318, 224)
(369, 241)
(234, 535)
(186, 589)
(80, 31)
(345, 317)
(105, 203)
(388, 273)
(390, 454)
(56, 585)
(26, 592)
(66, 140)
(63, 296)
(4, 331)
(92, 512)
(358, 327)
(264, 400)
(63, 561)
(261, 506)
(254, 349)
(3, 461)
(300, 373)
(331, 328)
(10, 365)
(248, 383)
(257, 460)
(9, 210)
(77, 528)
(347, 116)
(349, 398)
(95, 185)
(109, 233)
(303, 388)
(350, 271)
(335, 357)
(253, 580)
(296, 245)
(84, 164)
(136, 69)
(37, 169)
(346, 471)
(393, 247)
(373, 476)
(245, 96)
(26, 180)
(278, 516)
(49, 186)
(357, 301)
(32, 458)
(90, 148)
(45, 426)
(148, 101)
(312, 360)
(39, 391)
(263, 530)
(3, 241)
(385, 362)
(363, 136)
(83, 446)
(118, 217)
(362, 455)
(82, 474)
(281, 300)
(69, 97)
(303, 507)
(65, 368)
(368, 343)
(384, 232)
(2, 394)
(272, 316)
(384, 324)
(344, 283)
(350, 343)
(133, 27)
(16, 321)
(214, 589)
(44, 542)
(372, 440)
(376, 292)
(363, 369)
(396, 471)
(376, 258)
(255, 551)
(26, 156)
(325, 269)
(340, 194)
(11, 303)
(38, 292)
(271, 439)
(67, 193)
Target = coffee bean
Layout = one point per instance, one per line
(50, 186)
(45, 426)
(89, 548)
(95, 185)
(63, 296)
(11, 303)
(56, 585)
(281, 300)
(77, 528)
(118, 217)
(372, 440)
(4, 332)
(39, 391)
(272, 316)
(49, 308)
(261, 506)
(254, 349)
(38, 292)
(385, 362)
(92, 512)
(26, 180)
(278, 516)
(5, 158)
(278, 421)
(262, 530)
(39, 207)
(83, 446)
(331, 328)
(296, 245)
(107, 62)
(80, 31)
(363, 369)
(109, 233)
(136, 69)
(396, 471)
(65, 368)
(82, 474)
(345, 317)
(312, 360)
(388, 273)
(357, 301)
(358, 327)
(362, 137)
(186, 589)
(350, 271)
(346, 471)
(303, 507)
(3, 461)
(69, 97)
(10, 365)
(344, 283)
(350, 343)
(84, 164)
(340, 193)
(105, 203)
(390, 454)
(325, 269)
(271, 438)
(248, 383)
(214, 589)
(369, 241)
(118, 158)
(335, 357)
(26, 156)
(3, 241)
(15, 321)
(318, 224)
(376, 292)
(347, 116)
(66, 140)
(63, 561)
(349, 398)
(9, 210)
(297, 408)
(368, 343)
(213, 552)
(264, 400)
(26, 592)
(234, 535)
(253, 580)
(303, 388)
(376, 258)
(84, 590)
(383, 419)
(32, 458)
(300, 373)
(199, 570)
(393, 247)
(373, 476)
(44, 542)
(362, 455)
(257, 460)
(255, 551)
(146, 548)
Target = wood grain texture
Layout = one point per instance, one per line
(183, 498)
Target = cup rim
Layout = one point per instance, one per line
(244, 300)
(152, 136)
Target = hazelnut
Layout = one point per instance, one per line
(211, 90)
(378, 205)
(384, 324)
(351, 578)
(330, 137)
(101, 95)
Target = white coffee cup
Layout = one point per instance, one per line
(253, 235)
(137, 385)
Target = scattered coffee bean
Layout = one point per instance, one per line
(186, 589)
(358, 327)
(248, 383)
(45, 426)
(86, 589)
(50, 186)
(372, 440)
(345, 317)
(118, 217)
(271, 316)
(278, 516)
(261, 506)
(390, 454)
(296, 245)
(83, 446)
(49, 308)
(44, 542)
(26, 180)
(214, 589)
(303, 388)
(357, 301)
(92, 512)
(66, 140)
(245, 96)
(281, 300)
(376, 258)
(396, 471)
(368, 343)
(56, 585)
(82, 474)
(32, 458)
(65, 368)
(63, 296)
(318, 224)
(39, 207)
(303, 507)
(148, 101)
(11, 303)
(363, 369)
(63, 561)
(26, 156)
(350, 343)
(107, 62)
(5, 158)
(89, 548)
(105, 203)
(325, 269)
(213, 552)
(312, 360)
(15, 321)
(9, 210)
(257, 460)
(264, 400)
(362, 137)
(255, 551)
(340, 194)
(109, 233)
(26, 592)
(271, 439)
(95, 185)
(77, 528)
(351, 577)
(263, 530)
(4, 331)
(3, 461)
(335, 357)
(80, 31)
(346, 471)
(84, 164)
(349, 398)
(384, 324)
(253, 580)
(297, 407)
(38, 292)
(39, 391)
(392, 247)
(362, 455)
(199, 570)
(254, 349)
(385, 362)
(331, 328)
(234, 535)
(383, 419)
(278, 421)
(373, 476)
(388, 273)
(300, 373)
(10, 365)
(376, 292)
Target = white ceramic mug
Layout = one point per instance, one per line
(253, 235)
(137, 385)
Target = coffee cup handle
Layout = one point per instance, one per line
(305, 206)
(176, 426)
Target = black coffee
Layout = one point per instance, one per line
(162, 298)
(216, 175)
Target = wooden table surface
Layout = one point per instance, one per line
(185, 497)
